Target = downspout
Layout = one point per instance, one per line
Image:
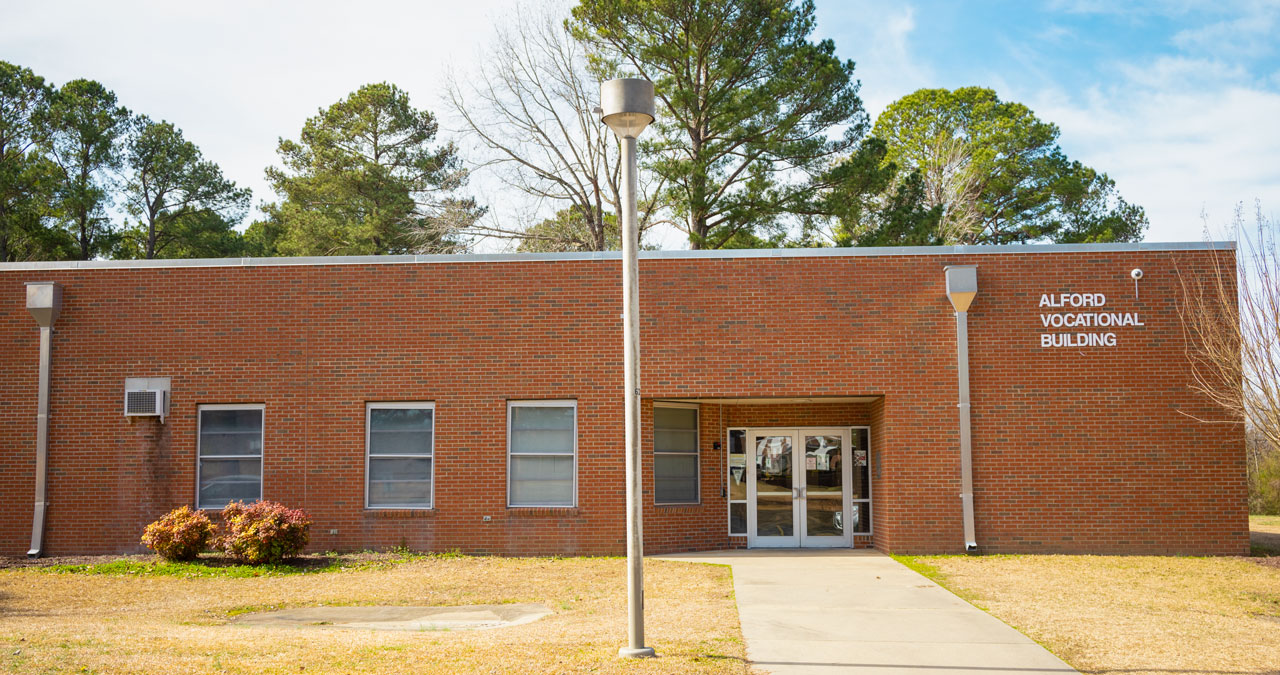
(44, 301)
(962, 287)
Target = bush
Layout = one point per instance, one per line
(180, 535)
(264, 532)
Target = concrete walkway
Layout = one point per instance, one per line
(844, 611)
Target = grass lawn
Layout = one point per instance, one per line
(1131, 614)
(1264, 534)
(135, 617)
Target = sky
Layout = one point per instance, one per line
(1177, 100)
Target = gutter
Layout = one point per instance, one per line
(44, 301)
(962, 287)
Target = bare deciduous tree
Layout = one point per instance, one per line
(530, 107)
(1231, 320)
(952, 182)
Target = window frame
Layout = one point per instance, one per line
(369, 407)
(729, 501)
(870, 500)
(697, 451)
(512, 404)
(262, 442)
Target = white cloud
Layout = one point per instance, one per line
(1055, 34)
(1179, 138)
(1133, 7)
(1251, 35)
(886, 65)
(1165, 73)
(237, 75)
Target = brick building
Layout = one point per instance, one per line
(790, 398)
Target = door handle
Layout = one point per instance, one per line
(795, 494)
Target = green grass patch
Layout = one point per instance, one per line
(250, 609)
(212, 567)
(920, 564)
(195, 569)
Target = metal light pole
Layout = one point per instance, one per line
(626, 106)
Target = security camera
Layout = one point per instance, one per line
(1136, 274)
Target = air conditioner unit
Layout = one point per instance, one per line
(146, 397)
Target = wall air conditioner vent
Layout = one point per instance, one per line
(143, 402)
(146, 397)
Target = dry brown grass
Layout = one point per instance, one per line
(1265, 523)
(1132, 614)
(1264, 535)
(113, 624)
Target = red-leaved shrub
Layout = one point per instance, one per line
(264, 532)
(180, 535)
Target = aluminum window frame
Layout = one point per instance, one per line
(369, 407)
(729, 501)
(869, 501)
(697, 452)
(262, 442)
(512, 404)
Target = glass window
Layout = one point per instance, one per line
(861, 481)
(675, 454)
(542, 442)
(229, 445)
(400, 444)
(738, 481)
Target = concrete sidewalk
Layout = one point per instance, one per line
(845, 611)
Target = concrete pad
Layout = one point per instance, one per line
(807, 612)
(466, 617)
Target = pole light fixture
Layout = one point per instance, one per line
(626, 106)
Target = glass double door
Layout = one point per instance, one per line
(798, 487)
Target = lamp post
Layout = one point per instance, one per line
(626, 106)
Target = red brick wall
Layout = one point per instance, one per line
(1074, 450)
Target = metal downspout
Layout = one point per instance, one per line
(44, 301)
(966, 433)
(962, 287)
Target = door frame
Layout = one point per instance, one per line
(846, 495)
(799, 500)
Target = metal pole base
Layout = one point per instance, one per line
(636, 653)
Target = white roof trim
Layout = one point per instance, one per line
(832, 252)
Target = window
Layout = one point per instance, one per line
(229, 446)
(737, 482)
(399, 445)
(675, 453)
(861, 449)
(542, 444)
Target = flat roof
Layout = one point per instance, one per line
(831, 252)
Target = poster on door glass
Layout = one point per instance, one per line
(859, 457)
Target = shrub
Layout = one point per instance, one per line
(264, 532)
(180, 535)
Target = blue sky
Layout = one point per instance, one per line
(1178, 101)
